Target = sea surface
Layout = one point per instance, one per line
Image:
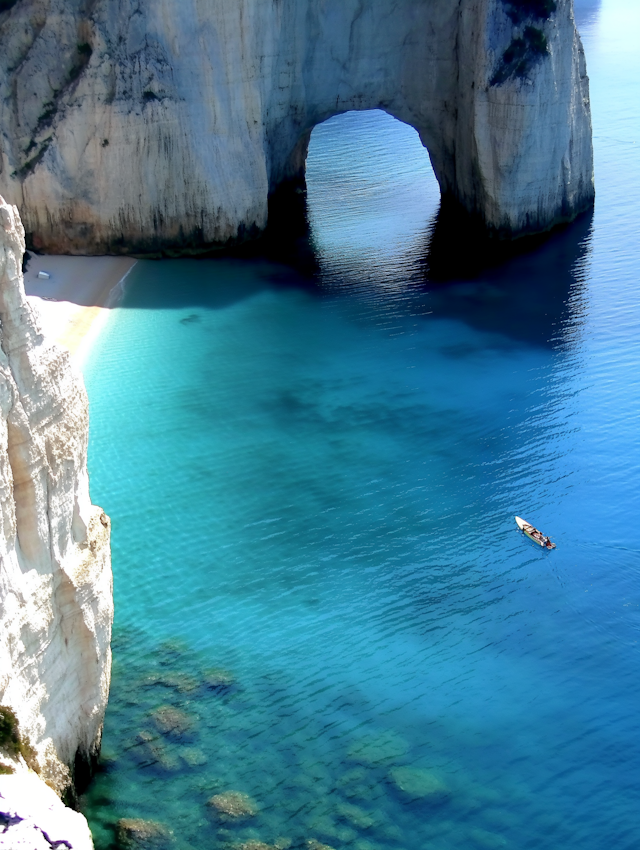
(322, 599)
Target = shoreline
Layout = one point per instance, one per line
(74, 303)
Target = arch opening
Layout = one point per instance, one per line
(360, 191)
(372, 195)
(361, 200)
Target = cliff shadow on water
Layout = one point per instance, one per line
(530, 290)
(527, 290)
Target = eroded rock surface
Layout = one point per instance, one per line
(56, 603)
(157, 124)
(138, 834)
(233, 806)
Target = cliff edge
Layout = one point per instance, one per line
(34, 818)
(157, 125)
(56, 602)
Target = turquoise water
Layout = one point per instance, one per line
(298, 471)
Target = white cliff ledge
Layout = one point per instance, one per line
(149, 126)
(32, 817)
(56, 603)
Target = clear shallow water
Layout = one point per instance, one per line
(297, 471)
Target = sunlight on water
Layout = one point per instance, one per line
(322, 600)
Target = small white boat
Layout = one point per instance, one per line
(533, 534)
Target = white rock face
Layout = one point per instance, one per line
(158, 124)
(56, 603)
(32, 817)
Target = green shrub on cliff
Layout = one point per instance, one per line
(11, 743)
(521, 55)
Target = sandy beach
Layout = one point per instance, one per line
(75, 300)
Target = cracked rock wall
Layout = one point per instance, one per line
(56, 602)
(150, 125)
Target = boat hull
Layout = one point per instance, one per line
(533, 534)
(535, 539)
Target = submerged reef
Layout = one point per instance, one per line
(201, 769)
(233, 806)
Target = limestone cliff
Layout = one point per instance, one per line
(56, 603)
(158, 124)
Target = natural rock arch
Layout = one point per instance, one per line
(154, 125)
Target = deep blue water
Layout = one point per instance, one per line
(312, 483)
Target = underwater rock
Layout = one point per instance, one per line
(154, 752)
(355, 815)
(172, 721)
(193, 757)
(158, 756)
(233, 806)
(145, 736)
(378, 749)
(181, 682)
(418, 783)
(139, 834)
(218, 679)
(172, 649)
